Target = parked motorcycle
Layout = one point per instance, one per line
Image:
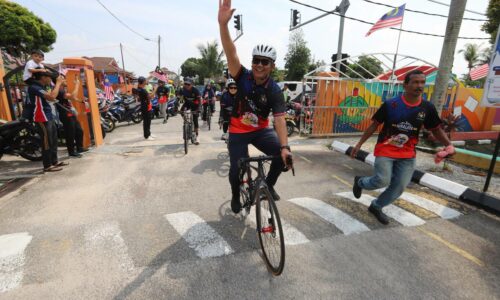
(20, 138)
(121, 111)
(173, 106)
(155, 108)
(292, 117)
(107, 121)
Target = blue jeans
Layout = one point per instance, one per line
(393, 172)
(266, 141)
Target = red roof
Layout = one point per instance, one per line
(401, 73)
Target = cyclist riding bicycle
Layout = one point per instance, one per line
(192, 101)
(209, 96)
(257, 96)
(226, 103)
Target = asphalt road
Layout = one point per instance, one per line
(138, 219)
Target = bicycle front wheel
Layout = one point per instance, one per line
(186, 137)
(271, 238)
(209, 117)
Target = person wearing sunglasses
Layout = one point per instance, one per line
(192, 101)
(226, 106)
(257, 96)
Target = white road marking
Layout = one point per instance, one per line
(442, 185)
(108, 236)
(398, 214)
(304, 158)
(12, 259)
(440, 210)
(292, 235)
(340, 219)
(205, 241)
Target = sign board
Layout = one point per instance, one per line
(491, 92)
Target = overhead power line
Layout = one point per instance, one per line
(371, 23)
(422, 12)
(467, 10)
(123, 23)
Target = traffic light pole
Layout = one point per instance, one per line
(342, 9)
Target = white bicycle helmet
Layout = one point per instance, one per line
(264, 51)
(230, 81)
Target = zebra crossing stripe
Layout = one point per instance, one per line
(400, 215)
(440, 210)
(340, 219)
(292, 235)
(12, 259)
(107, 235)
(202, 238)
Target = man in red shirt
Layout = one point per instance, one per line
(402, 116)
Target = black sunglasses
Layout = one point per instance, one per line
(262, 61)
(233, 88)
(188, 84)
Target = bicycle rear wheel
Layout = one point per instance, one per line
(271, 238)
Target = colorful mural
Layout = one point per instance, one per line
(346, 106)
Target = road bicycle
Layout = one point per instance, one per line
(188, 130)
(269, 229)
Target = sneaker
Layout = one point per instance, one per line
(150, 138)
(275, 195)
(196, 141)
(377, 212)
(235, 205)
(356, 189)
(81, 150)
(153, 136)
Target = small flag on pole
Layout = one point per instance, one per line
(392, 18)
(479, 72)
(108, 89)
(62, 71)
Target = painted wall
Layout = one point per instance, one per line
(346, 106)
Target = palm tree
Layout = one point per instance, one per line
(472, 54)
(211, 62)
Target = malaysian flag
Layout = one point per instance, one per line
(158, 74)
(62, 70)
(479, 72)
(392, 18)
(108, 89)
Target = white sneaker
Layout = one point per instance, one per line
(196, 141)
(150, 138)
(153, 136)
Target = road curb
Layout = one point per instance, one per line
(436, 183)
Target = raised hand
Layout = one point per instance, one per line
(225, 11)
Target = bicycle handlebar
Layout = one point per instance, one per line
(266, 158)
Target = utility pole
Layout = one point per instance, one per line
(455, 15)
(159, 65)
(341, 9)
(123, 67)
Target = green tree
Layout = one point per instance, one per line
(211, 63)
(278, 74)
(493, 15)
(298, 57)
(363, 65)
(22, 31)
(472, 54)
(315, 64)
(190, 67)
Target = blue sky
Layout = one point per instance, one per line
(85, 28)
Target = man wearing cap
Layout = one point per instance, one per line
(258, 95)
(144, 99)
(43, 117)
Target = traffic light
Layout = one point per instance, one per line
(295, 17)
(237, 22)
(343, 68)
